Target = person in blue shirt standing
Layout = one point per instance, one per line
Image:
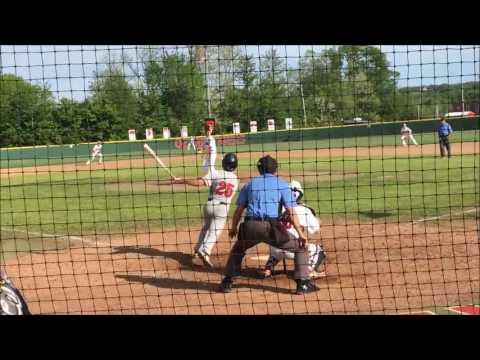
(263, 198)
(444, 131)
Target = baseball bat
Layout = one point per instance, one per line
(152, 153)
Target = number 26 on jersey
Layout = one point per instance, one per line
(224, 189)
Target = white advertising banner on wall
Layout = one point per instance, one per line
(236, 128)
(166, 133)
(184, 131)
(149, 134)
(253, 126)
(132, 135)
(288, 123)
(271, 124)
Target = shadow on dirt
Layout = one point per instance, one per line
(185, 262)
(183, 259)
(169, 283)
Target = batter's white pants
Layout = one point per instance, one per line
(214, 219)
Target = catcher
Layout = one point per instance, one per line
(11, 300)
(311, 225)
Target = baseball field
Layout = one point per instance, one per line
(400, 226)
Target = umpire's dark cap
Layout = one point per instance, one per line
(267, 165)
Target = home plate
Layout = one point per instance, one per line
(260, 257)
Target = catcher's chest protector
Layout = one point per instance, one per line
(11, 301)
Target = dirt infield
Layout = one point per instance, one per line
(180, 161)
(372, 268)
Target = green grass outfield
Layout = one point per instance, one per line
(73, 155)
(82, 203)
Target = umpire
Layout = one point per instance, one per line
(263, 198)
(444, 131)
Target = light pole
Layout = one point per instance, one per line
(201, 58)
(303, 105)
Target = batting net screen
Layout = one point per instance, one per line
(114, 198)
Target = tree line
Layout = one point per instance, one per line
(172, 90)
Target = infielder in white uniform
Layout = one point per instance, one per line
(210, 150)
(406, 134)
(191, 144)
(311, 225)
(223, 185)
(96, 151)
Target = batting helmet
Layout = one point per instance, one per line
(297, 189)
(229, 162)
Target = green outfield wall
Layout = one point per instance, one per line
(79, 152)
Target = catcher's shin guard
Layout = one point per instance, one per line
(318, 258)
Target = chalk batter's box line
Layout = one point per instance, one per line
(422, 312)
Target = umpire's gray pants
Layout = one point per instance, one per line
(252, 233)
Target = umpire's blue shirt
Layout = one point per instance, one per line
(263, 194)
(444, 129)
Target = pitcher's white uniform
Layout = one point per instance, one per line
(406, 134)
(97, 150)
(311, 226)
(210, 149)
(223, 186)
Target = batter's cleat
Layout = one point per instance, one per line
(317, 275)
(200, 258)
(226, 285)
(305, 286)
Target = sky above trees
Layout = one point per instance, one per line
(69, 70)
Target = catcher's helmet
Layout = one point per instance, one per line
(230, 162)
(297, 189)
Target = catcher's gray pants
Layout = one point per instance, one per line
(252, 233)
(214, 219)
